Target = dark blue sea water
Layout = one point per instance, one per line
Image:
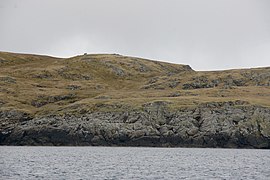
(132, 163)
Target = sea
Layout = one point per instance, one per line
(42, 162)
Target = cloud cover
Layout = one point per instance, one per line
(208, 35)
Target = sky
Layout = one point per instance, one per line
(205, 34)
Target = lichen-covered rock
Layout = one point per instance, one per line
(208, 125)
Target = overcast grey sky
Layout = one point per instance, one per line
(206, 34)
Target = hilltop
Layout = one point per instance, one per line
(110, 99)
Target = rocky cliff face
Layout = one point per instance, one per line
(113, 100)
(229, 125)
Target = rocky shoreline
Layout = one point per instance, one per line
(218, 125)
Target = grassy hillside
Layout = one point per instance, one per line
(99, 82)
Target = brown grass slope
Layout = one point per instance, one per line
(99, 82)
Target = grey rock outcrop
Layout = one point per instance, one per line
(227, 124)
